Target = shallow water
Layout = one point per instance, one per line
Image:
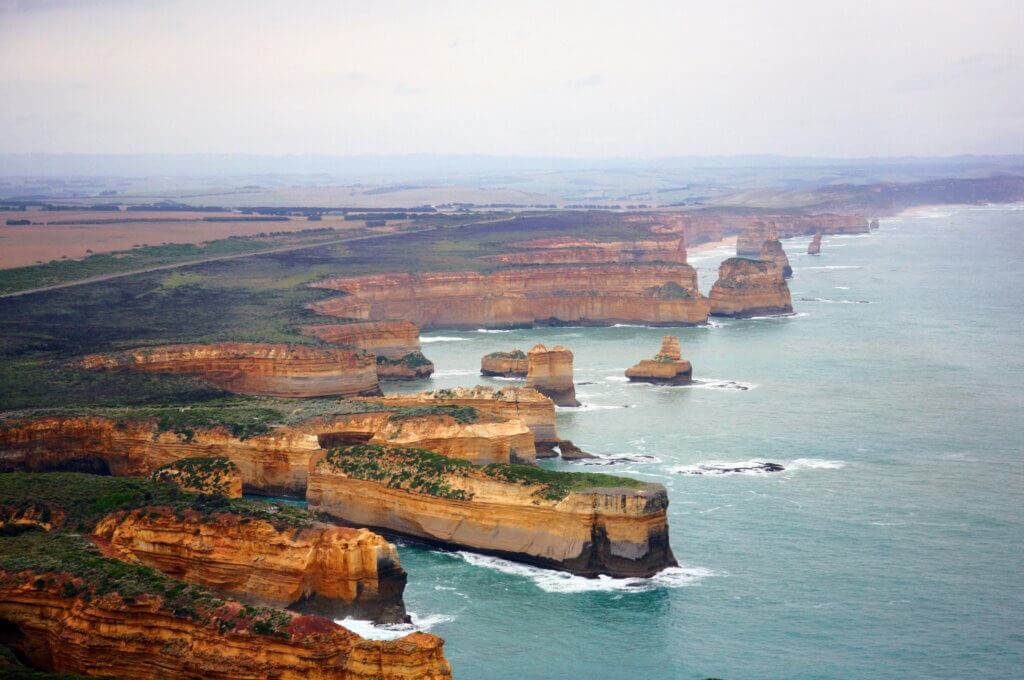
(890, 547)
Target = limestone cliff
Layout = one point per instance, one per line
(666, 368)
(749, 288)
(531, 407)
(255, 368)
(506, 364)
(568, 250)
(331, 570)
(412, 366)
(144, 638)
(549, 371)
(585, 524)
(814, 247)
(596, 294)
(391, 339)
(207, 475)
(274, 463)
(772, 251)
(752, 238)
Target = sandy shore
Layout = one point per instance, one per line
(711, 245)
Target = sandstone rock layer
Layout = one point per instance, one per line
(549, 371)
(332, 570)
(570, 250)
(814, 247)
(391, 339)
(506, 364)
(666, 368)
(255, 368)
(749, 288)
(597, 294)
(772, 251)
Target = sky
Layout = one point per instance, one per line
(572, 79)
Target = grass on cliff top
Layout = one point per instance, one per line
(429, 473)
(463, 414)
(72, 565)
(514, 354)
(209, 474)
(86, 499)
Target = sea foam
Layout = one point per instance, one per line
(393, 631)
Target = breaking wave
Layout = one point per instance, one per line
(393, 631)
(552, 581)
(754, 467)
(442, 338)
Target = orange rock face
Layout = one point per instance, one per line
(814, 247)
(749, 288)
(507, 364)
(325, 569)
(531, 407)
(39, 515)
(596, 294)
(582, 251)
(666, 368)
(549, 371)
(772, 251)
(144, 640)
(391, 339)
(255, 368)
(275, 463)
(616, 531)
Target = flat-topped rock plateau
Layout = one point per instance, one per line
(549, 371)
(505, 364)
(588, 524)
(748, 288)
(255, 368)
(599, 294)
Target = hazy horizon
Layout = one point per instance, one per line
(592, 81)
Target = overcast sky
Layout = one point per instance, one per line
(820, 78)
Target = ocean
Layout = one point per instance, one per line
(892, 546)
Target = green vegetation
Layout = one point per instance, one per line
(143, 257)
(463, 414)
(86, 499)
(412, 360)
(671, 291)
(514, 354)
(211, 474)
(430, 473)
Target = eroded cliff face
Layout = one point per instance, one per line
(412, 366)
(255, 368)
(35, 515)
(330, 570)
(618, 531)
(391, 339)
(105, 635)
(749, 288)
(570, 250)
(814, 247)
(506, 364)
(772, 251)
(596, 294)
(549, 371)
(275, 463)
(707, 226)
(531, 407)
(666, 368)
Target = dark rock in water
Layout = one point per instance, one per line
(585, 383)
(621, 459)
(721, 470)
(546, 450)
(572, 452)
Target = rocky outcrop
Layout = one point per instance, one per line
(596, 295)
(873, 224)
(666, 368)
(35, 515)
(207, 475)
(144, 638)
(413, 366)
(585, 524)
(274, 463)
(330, 570)
(752, 238)
(569, 250)
(749, 288)
(506, 364)
(391, 339)
(531, 407)
(772, 251)
(814, 247)
(255, 368)
(570, 451)
(549, 371)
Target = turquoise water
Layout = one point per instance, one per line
(890, 548)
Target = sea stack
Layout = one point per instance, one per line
(772, 251)
(549, 371)
(753, 237)
(748, 288)
(815, 246)
(666, 368)
(505, 364)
